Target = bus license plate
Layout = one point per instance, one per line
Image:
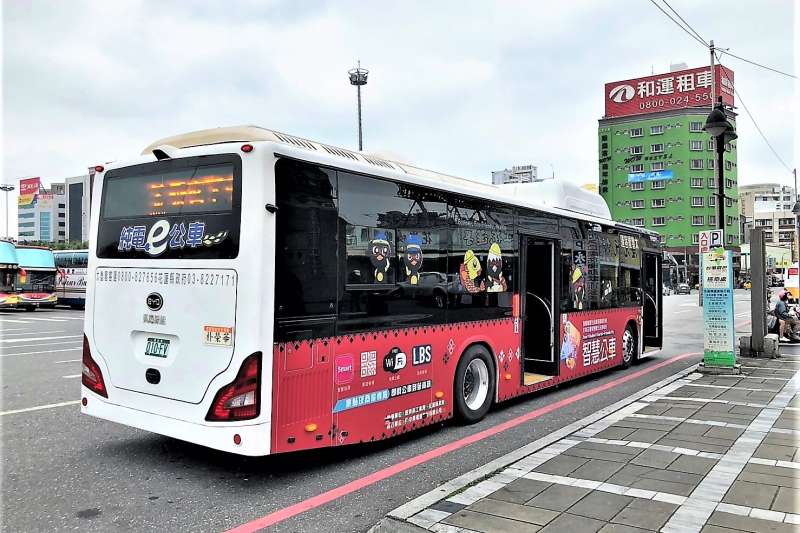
(157, 347)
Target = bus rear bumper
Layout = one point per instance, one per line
(255, 438)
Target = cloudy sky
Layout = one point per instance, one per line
(461, 87)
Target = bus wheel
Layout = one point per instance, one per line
(629, 347)
(474, 384)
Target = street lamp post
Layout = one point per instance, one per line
(718, 126)
(358, 77)
(7, 188)
(796, 213)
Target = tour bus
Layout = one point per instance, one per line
(36, 278)
(8, 275)
(71, 278)
(243, 293)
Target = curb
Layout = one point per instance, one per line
(396, 520)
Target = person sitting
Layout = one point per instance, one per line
(789, 322)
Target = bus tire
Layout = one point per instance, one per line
(473, 390)
(630, 347)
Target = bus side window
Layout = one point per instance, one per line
(305, 243)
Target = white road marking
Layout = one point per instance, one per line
(56, 343)
(42, 338)
(11, 320)
(29, 332)
(71, 376)
(69, 361)
(47, 351)
(39, 407)
(42, 319)
(689, 304)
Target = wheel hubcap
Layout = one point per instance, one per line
(476, 384)
(628, 346)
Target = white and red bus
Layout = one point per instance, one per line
(71, 278)
(260, 293)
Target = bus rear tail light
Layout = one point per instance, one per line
(239, 400)
(91, 377)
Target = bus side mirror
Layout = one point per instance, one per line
(272, 208)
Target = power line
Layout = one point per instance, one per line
(757, 64)
(689, 33)
(752, 118)
(684, 21)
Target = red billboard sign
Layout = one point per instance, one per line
(673, 90)
(29, 186)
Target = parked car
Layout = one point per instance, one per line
(683, 288)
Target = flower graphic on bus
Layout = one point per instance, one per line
(379, 252)
(571, 343)
(495, 281)
(413, 258)
(469, 272)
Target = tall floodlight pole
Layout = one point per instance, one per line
(358, 77)
(6, 188)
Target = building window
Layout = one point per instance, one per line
(26, 215)
(697, 183)
(61, 224)
(638, 222)
(657, 184)
(60, 233)
(637, 132)
(729, 220)
(695, 238)
(658, 202)
(696, 164)
(637, 168)
(767, 235)
(730, 239)
(712, 183)
(656, 130)
(637, 186)
(695, 127)
(711, 145)
(784, 236)
(696, 146)
(763, 222)
(728, 165)
(656, 148)
(26, 224)
(697, 201)
(712, 220)
(657, 166)
(698, 220)
(62, 206)
(658, 221)
(712, 164)
(636, 150)
(728, 147)
(729, 202)
(784, 222)
(712, 201)
(637, 204)
(61, 215)
(729, 183)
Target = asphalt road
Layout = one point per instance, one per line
(65, 471)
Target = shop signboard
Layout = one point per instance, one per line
(719, 335)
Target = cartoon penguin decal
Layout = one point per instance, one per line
(469, 272)
(495, 281)
(413, 258)
(379, 252)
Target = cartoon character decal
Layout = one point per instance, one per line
(571, 343)
(577, 287)
(413, 258)
(495, 281)
(379, 252)
(470, 272)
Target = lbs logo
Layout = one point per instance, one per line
(622, 93)
(394, 361)
(421, 355)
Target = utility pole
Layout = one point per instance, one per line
(713, 93)
(7, 188)
(358, 77)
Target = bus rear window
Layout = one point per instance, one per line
(176, 208)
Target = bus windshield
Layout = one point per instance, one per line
(177, 209)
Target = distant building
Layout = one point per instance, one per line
(517, 174)
(769, 206)
(78, 208)
(41, 213)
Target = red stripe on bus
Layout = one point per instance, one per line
(380, 475)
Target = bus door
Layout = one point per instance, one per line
(539, 310)
(652, 304)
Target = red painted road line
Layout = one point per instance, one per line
(379, 475)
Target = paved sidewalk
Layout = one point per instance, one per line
(701, 453)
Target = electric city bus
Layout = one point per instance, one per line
(248, 291)
(36, 278)
(71, 278)
(8, 275)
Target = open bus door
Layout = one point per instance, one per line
(540, 322)
(652, 326)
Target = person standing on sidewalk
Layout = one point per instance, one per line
(790, 323)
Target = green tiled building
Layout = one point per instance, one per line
(657, 171)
